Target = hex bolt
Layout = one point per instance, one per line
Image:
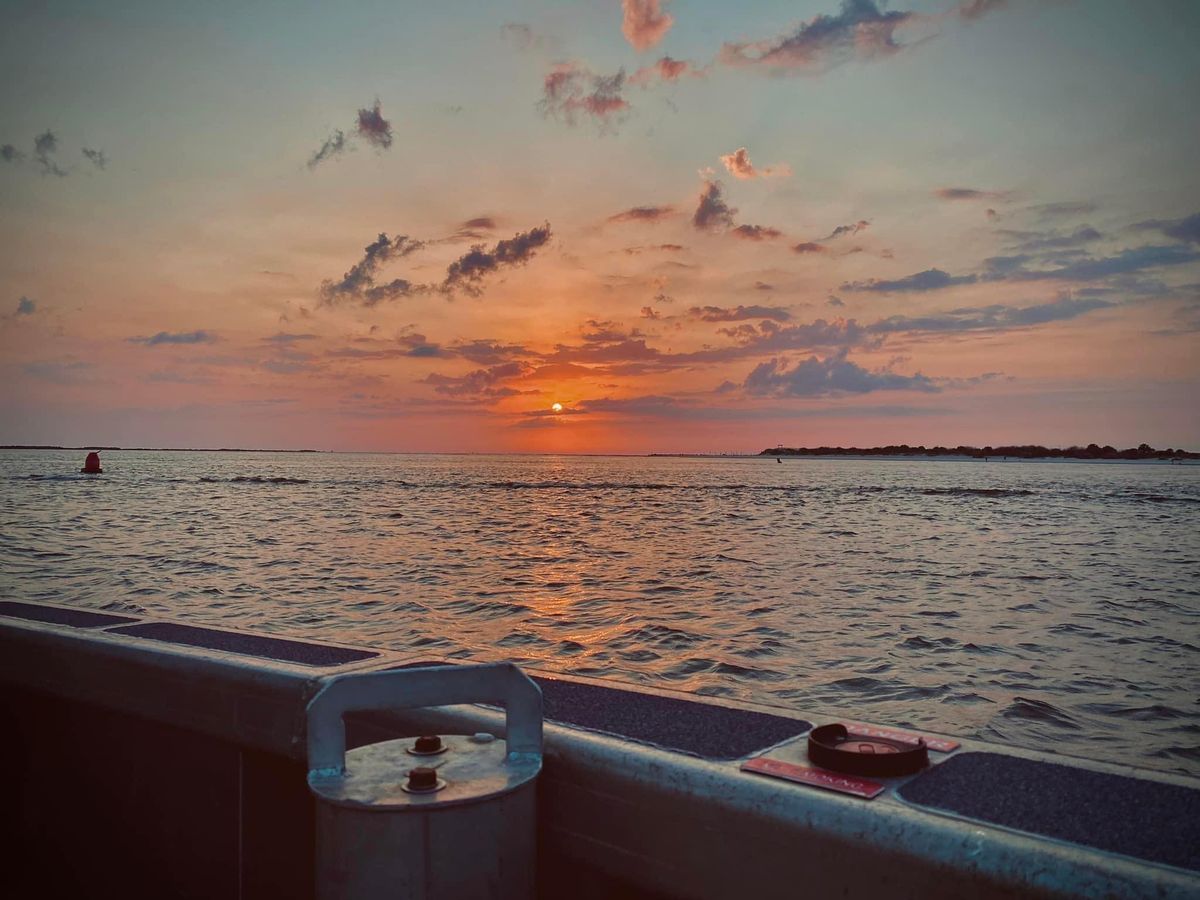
(422, 779)
(428, 743)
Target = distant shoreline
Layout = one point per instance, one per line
(1092, 452)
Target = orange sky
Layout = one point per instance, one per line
(812, 224)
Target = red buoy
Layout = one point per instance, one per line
(91, 466)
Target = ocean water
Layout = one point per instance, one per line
(1047, 604)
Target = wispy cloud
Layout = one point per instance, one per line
(650, 214)
(977, 9)
(484, 382)
(809, 247)
(570, 90)
(69, 372)
(1186, 229)
(374, 128)
(11, 154)
(334, 146)
(1064, 209)
(738, 313)
(816, 377)
(96, 157)
(712, 212)
(284, 338)
(523, 37)
(468, 271)
(359, 281)
(859, 31)
(181, 337)
(45, 145)
(929, 280)
(644, 22)
(756, 233)
(963, 193)
(739, 166)
(990, 318)
(25, 307)
(848, 230)
(666, 69)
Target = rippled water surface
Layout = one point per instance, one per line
(1046, 604)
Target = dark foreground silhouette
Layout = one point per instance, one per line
(1023, 451)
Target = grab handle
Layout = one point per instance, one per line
(500, 683)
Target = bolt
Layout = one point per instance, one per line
(422, 778)
(428, 743)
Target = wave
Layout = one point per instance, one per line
(976, 492)
(254, 479)
(1154, 498)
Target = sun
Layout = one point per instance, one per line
(556, 407)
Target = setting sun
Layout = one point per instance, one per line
(557, 407)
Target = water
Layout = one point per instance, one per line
(1052, 605)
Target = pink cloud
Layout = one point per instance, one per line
(739, 166)
(666, 69)
(570, 90)
(644, 23)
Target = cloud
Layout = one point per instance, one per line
(962, 193)
(1135, 259)
(97, 157)
(644, 23)
(808, 247)
(649, 312)
(374, 128)
(653, 405)
(484, 223)
(712, 212)
(1038, 241)
(815, 377)
(756, 233)
(11, 154)
(525, 38)
(570, 90)
(739, 313)
(990, 318)
(479, 382)
(182, 337)
(1063, 210)
(1187, 229)
(739, 166)
(650, 214)
(929, 280)
(25, 307)
(359, 282)
(977, 9)
(466, 272)
(860, 30)
(74, 372)
(45, 145)
(852, 229)
(488, 352)
(666, 69)
(418, 345)
(334, 146)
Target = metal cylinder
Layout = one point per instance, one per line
(448, 816)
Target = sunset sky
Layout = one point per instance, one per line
(697, 226)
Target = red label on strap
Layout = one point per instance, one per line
(942, 746)
(822, 778)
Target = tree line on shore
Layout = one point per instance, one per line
(1017, 451)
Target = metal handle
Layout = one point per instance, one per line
(500, 683)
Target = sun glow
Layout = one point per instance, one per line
(556, 407)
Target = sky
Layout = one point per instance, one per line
(600, 226)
